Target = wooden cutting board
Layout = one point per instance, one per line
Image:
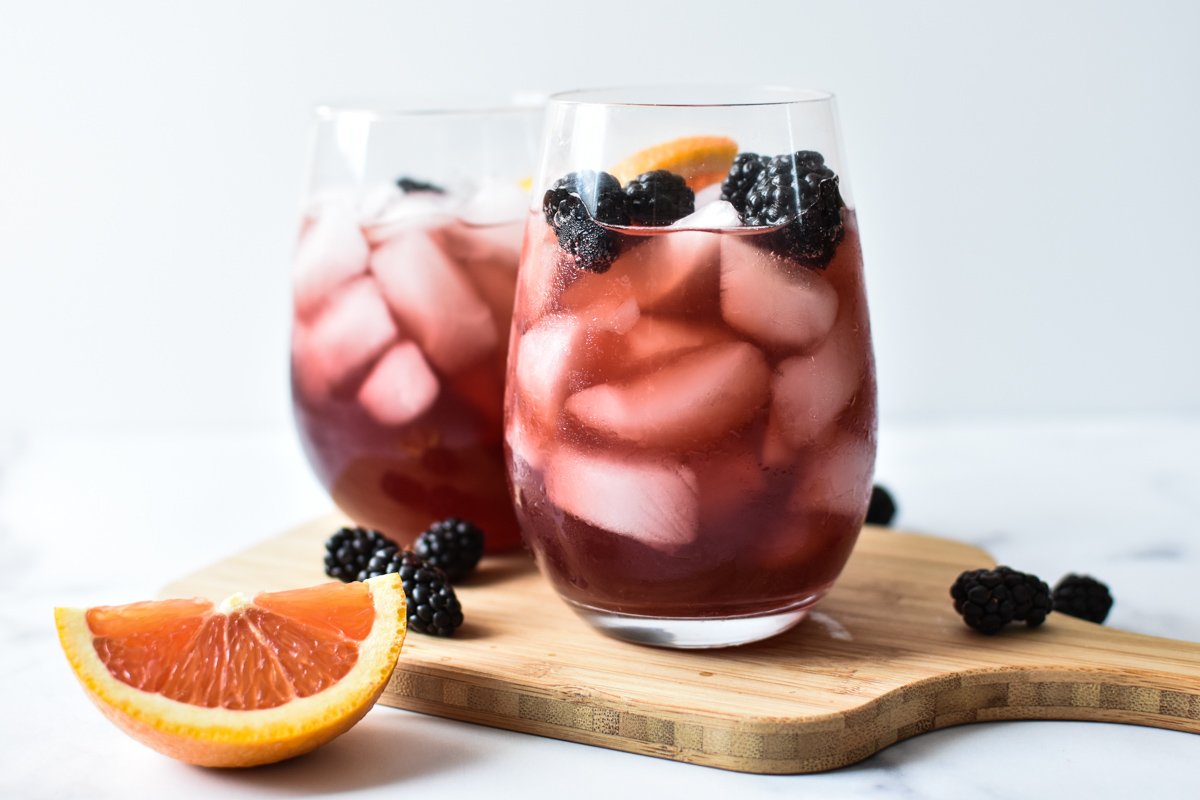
(883, 658)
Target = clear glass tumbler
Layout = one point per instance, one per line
(403, 287)
(690, 411)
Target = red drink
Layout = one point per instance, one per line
(692, 433)
(690, 406)
(400, 329)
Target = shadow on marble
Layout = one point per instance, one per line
(381, 750)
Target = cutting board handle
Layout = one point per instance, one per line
(1092, 673)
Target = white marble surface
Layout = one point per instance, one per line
(100, 517)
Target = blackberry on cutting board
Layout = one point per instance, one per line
(800, 193)
(348, 551)
(989, 599)
(453, 545)
(572, 207)
(433, 608)
(882, 508)
(659, 197)
(1084, 597)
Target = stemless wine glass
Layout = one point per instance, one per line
(403, 287)
(690, 412)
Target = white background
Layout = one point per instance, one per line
(1027, 175)
(1028, 183)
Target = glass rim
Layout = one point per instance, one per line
(388, 110)
(754, 95)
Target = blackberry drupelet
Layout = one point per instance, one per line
(659, 197)
(799, 192)
(348, 551)
(408, 185)
(453, 545)
(573, 205)
(742, 175)
(989, 599)
(1084, 597)
(433, 608)
(882, 508)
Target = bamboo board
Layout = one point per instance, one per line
(883, 658)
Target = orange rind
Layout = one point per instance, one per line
(699, 160)
(245, 682)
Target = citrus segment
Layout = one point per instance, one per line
(699, 160)
(245, 682)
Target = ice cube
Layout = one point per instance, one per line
(775, 301)
(331, 251)
(496, 284)
(543, 275)
(352, 330)
(676, 271)
(657, 337)
(715, 215)
(495, 202)
(835, 477)
(602, 304)
(496, 244)
(392, 212)
(809, 392)
(400, 388)
(433, 301)
(545, 357)
(708, 195)
(688, 403)
(376, 201)
(655, 502)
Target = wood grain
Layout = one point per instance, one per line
(883, 658)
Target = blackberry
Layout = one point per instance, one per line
(349, 549)
(1084, 597)
(882, 508)
(799, 192)
(433, 607)
(989, 599)
(659, 197)
(574, 204)
(452, 545)
(408, 185)
(742, 175)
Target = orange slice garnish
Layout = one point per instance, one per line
(245, 682)
(699, 160)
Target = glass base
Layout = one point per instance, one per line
(694, 633)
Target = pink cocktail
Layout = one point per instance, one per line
(691, 404)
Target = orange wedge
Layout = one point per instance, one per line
(241, 683)
(699, 160)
